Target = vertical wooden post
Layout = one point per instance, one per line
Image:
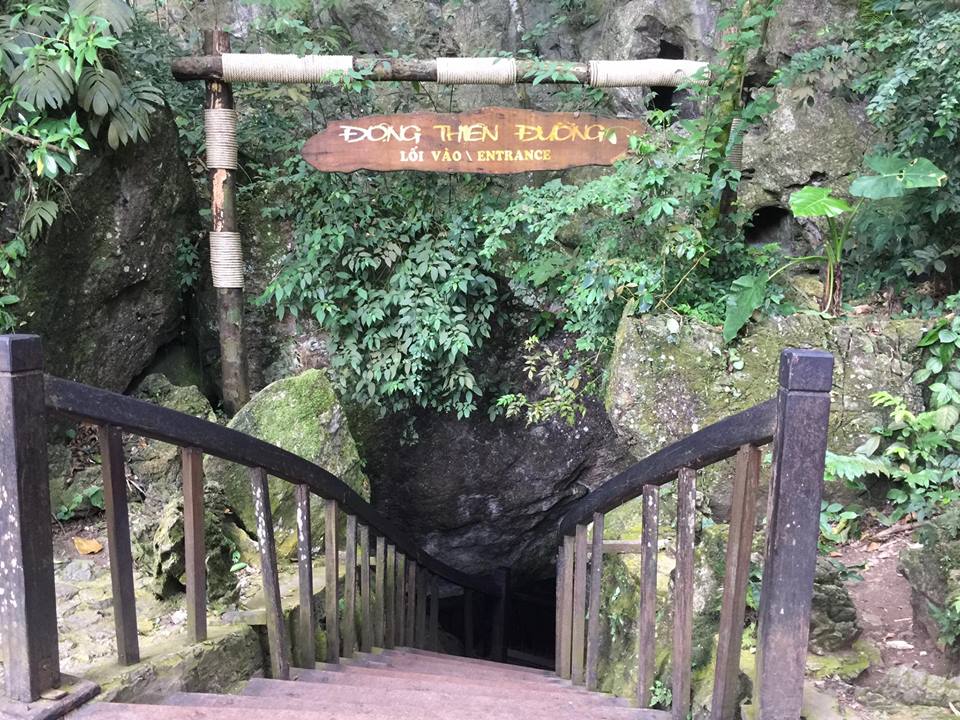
(400, 598)
(558, 619)
(566, 608)
(433, 641)
(118, 540)
(743, 517)
(28, 609)
(468, 611)
(409, 629)
(683, 592)
(420, 632)
(306, 618)
(349, 629)
(390, 599)
(501, 612)
(380, 589)
(793, 516)
(593, 623)
(223, 184)
(366, 624)
(194, 543)
(579, 605)
(330, 589)
(276, 625)
(647, 621)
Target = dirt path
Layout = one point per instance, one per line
(882, 600)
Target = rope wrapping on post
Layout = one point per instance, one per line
(651, 72)
(220, 133)
(226, 259)
(735, 156)
(241, 67)
(476, 71)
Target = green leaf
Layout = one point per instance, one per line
(896, 175)
(746, 295)
(813, 201)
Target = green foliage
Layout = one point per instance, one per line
(557, 392)
(661, 696)
(904, 58)
(81, 503)
(941, 370)
(187, 264)
(63, 82)
(837, 523)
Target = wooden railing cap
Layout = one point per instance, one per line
(806, 370)
(20, 353)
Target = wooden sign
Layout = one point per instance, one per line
(489, 140)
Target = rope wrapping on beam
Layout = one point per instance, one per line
(476, 71)
(241, 67)
(220, 133)
(226, 259)
(651, 72)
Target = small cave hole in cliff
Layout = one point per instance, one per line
(664, 98)
(772, 224)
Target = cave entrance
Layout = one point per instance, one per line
(664, 98)
(772, 224)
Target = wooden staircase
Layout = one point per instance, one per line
(399, 684)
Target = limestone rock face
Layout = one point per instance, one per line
(833, 622)
(302, 415)
(933, 570)
(101, 288)
(663, 386)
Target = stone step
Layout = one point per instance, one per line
(419, 695)
(402, 680)
(429, 707)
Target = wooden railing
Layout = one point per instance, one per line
(796, 422)
(399, 605)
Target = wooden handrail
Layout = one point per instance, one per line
(722, 440)
(103, 407)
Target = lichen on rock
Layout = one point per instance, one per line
(299, 414)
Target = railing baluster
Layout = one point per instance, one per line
(349, 629)
(306, 618)
(593, 623)
(434, 638)
(195, 553)
(118, 539)
(390, 599)
(400, 598)
(793, 513)
(468, 611)
(379, 590)
(566, 607)
(332, 609)
(409, 630)
(737, 576)
(683, 592)
(501, 613)
(558, 619)
(276, 626)
(421, 630)
(648, 594)
(28, 605)
(366, 624)
(579, 605)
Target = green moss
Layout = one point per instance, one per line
(845, 665)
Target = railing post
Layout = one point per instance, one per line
(793, 514)
(28, 610)
(498, 644)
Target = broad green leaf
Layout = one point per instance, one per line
(813, 201)
(896, 175)
(745, 296)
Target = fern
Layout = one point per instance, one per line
(42, 83)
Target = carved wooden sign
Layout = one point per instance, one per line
(488, 140)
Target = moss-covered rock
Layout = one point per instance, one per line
(300, 414)
(932, 568)
(664, 385)
(833, 621)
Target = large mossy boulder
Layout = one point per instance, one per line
(932, 567)
(101, 287)
(299, 414)
(664, 385)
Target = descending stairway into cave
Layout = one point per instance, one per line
(400, 684)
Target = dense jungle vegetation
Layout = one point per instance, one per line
(411, 274)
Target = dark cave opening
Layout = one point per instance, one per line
(664, 97)
(771, 224)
